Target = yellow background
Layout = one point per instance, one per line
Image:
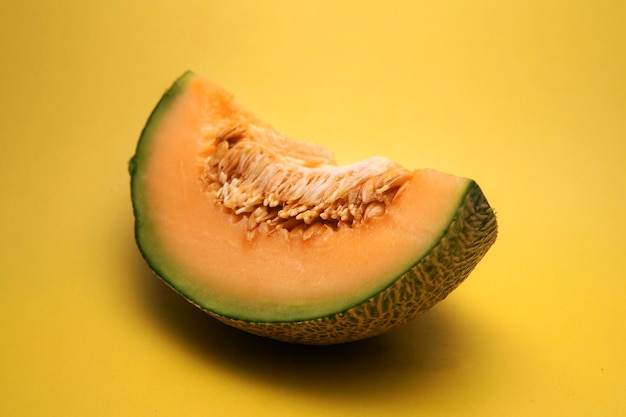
(526, 97)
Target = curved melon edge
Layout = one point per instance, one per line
(167, 99)
(428, 282)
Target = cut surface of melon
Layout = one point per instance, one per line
(212, 255)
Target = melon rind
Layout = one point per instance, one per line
(429, 281)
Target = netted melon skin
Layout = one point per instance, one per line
(428, 282)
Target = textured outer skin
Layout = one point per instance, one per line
(429, 281)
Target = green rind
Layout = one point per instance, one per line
(150, 250)
(170, 95)
(332, 307)
(428, 282)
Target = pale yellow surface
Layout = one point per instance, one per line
(527, 97)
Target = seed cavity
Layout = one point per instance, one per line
(295, 188)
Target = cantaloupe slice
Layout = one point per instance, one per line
(269, 235)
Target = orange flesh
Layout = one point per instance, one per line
(205, 253)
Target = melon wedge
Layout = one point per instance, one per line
(355, 277)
